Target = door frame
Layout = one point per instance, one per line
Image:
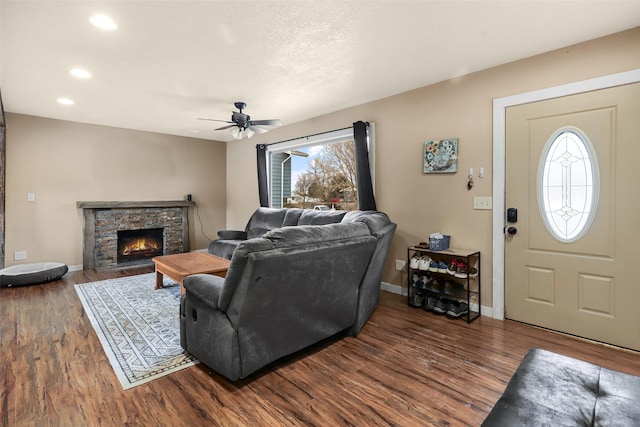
(500, 106)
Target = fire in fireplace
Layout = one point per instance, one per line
(138, 245)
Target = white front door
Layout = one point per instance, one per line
(583, 283)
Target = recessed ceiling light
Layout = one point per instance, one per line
(80, 73)
(103, 21)
(65, 101)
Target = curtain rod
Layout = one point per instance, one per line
(310, 136)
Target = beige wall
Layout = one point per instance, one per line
(422, 204)
(65, 162)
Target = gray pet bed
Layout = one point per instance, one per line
(31, 274)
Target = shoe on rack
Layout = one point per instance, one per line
(442, 267)
(472, 272)
(430, 303)
(433, 266)
(415, 280)
(423, 264)
(461, 272)
(434, 285)
(418, 299)
(441, 306)
(457, 309)
(414, 262)
(453, 267)
(424, 282)
(452, 288)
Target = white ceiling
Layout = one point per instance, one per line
(170, 62)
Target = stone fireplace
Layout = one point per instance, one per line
(122, 234)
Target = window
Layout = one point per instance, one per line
(568, 184)
(315, 172)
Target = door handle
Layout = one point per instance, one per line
(512, 230)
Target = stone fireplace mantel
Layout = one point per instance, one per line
(103, 219)
(134, 204)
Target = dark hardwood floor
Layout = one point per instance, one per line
(406, 368)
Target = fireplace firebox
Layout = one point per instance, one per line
(140, 245)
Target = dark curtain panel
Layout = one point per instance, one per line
(263, 188)
(366, 199)
(3, 164)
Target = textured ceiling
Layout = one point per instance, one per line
(170, 62)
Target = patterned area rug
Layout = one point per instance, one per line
(138, 326)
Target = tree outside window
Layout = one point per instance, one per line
(323, 179)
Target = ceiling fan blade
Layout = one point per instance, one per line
(214, 120)
(273, 122)
(226, 127)
(258, 129)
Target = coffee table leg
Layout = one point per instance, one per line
(158, 279)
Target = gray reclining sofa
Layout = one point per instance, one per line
(286, 289)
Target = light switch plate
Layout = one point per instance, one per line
(483, 202)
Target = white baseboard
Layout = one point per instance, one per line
(402, 290)
(394, 289)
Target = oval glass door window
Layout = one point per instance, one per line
(568, 182)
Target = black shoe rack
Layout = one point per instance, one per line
(446, 290)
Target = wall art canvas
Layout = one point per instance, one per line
(441, 156)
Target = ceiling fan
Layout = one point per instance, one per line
(241, 124)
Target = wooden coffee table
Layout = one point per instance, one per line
(179, 266)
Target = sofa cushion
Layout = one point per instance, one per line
(292, 217)
(310, 234)
(232, 235)
(313, 217)
(376, 221)
(263, 220)
(207, 287)
(298, 237)
(224, 248)
(236, 268)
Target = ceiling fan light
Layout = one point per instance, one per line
(250, 132)
(235, 132)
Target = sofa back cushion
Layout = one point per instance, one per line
(315, 234)
(313, 217)
(263, 220)
(237, 267)
(299, 238)
(376, 221)
(292, 217)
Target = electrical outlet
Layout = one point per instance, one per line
(400, 264)
(485, 202)
(19, 255)
(31, 197)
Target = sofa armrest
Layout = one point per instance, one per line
(232, 235)
(205, 287)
